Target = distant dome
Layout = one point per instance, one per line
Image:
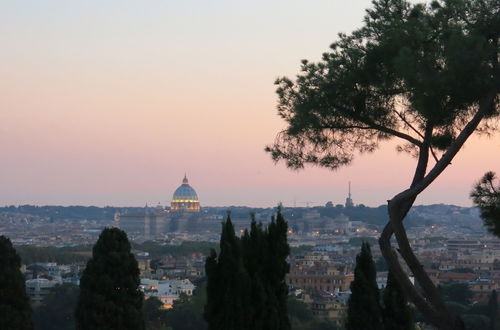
(185, 198)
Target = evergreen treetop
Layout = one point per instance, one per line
(363, 307)
(15, 309)
(109, 287)
(396, 311)
(246, 286)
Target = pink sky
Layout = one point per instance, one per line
(111, 104)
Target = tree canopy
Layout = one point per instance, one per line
(246, 286)
(397, 313)
(57, 310)
(15, 310)
(486, 196)
(425, 74)
(363, 307)
(109, 287)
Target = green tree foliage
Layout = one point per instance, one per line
(425, 74)
(478, 308)
(397, 313)
(228, 284)
(63, 255)
(109, 294)
(57, 309)
(187, 313)
(153, 314)
(493, 309)
(456, 292)
(57, 213)
(476, 321)
(363, 307)
(246, 282)
(486, 196)
(157, 250)
(381, 265)
(15, 310)
(299, 311)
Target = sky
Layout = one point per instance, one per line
(111, 102)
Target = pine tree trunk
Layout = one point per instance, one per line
(432, 305)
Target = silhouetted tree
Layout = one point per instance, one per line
(426, 74)
(277, 268)
(15, 310)
(226, 274)
(493, 309)
(456, 292)
(154, 315)
(187, 313)
(396, 312)
(363, 307)
(246, 286)
(57, 310)
(109, 287)
(486, 196)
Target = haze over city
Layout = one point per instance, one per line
(111, 103)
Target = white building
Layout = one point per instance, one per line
(166, 290)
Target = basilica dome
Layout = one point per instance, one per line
(185, 198)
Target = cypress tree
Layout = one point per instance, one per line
(254, 251)
(397, 314)
(276, 272)
(493, 309)
(246, 286)
(228, 284)
(109, 288)
(15, 310)
(363, 308)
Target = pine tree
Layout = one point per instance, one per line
(15, 310)
(109, 294)
(397, 314)
(364, 312)
(493, 309)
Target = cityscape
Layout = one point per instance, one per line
(250, 165)
(450, 241)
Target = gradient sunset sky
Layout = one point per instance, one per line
(111, 102)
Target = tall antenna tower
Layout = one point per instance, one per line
(348, 200)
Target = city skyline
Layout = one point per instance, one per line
(110, 104)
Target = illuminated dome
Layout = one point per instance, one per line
(185, 198)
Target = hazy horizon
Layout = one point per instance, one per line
(110, 103)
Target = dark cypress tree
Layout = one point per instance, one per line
(57, 310)
(109, 294)
(278, 250)
(493, 309)
(15, 310)
(254, 254)
(228, 284)
(396, 313)
(363, 310)
(246, 286)
(214, 284)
